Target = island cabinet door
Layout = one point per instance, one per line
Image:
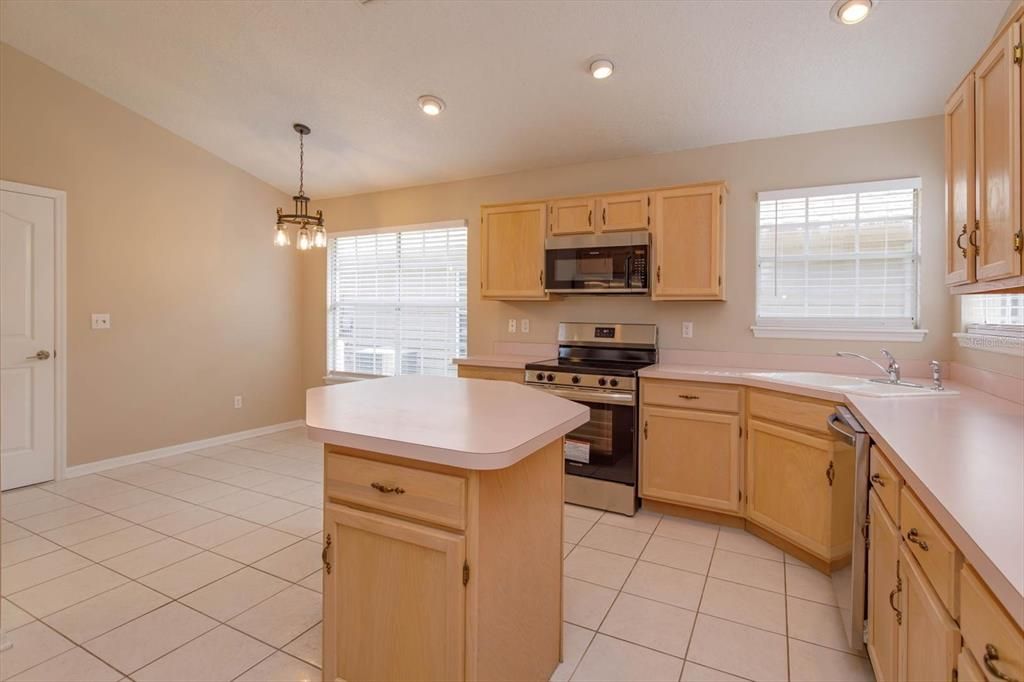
(789, 485)
(394, 600)
(690, 457)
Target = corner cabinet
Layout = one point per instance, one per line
(984, 182)
(512, 251)
(687, 235)
(421, 612)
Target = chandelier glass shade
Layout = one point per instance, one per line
(311, 233)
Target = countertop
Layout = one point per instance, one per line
(465, 423)
(507, 360)
(963, 455)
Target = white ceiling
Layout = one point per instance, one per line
(233, 76)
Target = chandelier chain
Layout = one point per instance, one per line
(301, 162)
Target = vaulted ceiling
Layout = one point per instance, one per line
(232, 77)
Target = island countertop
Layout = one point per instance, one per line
(465, 423)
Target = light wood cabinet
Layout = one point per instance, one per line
(397, 582)
(621, 212)
(998, 149)
(929, 641)
(687, 235)
(967, 669)
(937, 556)
(690, 457)
(512, 251)
(884, 617)
(984, 180)
(495, 373)
(572, 216)
(789, 485)
(988, 631)
(959, 125)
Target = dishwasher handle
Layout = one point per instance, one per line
(834, 420)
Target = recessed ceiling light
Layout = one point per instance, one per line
(601, 69)
(851, 11)
(431, 106)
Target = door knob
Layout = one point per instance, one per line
(41, 355)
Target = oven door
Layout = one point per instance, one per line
(605, 447)
(596, 270)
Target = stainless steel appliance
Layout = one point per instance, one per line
(849, 581)
(598, 365)
(614, 263)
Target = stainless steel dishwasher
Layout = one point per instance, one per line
(849, 581)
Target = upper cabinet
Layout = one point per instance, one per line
(621, 212)
(572, 216)
(512, 251)
(687, 235)
(984, 183)
(686, 225)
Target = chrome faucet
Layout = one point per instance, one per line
(937, 376)
(891, 371)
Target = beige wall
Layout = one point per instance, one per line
(893, 150)
(175, 244)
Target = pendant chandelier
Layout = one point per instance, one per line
(311, 227)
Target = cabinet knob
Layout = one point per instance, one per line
(991, 656)
(877, 480)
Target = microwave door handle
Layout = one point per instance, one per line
(629, 271)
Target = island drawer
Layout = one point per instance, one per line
(494, 373)
(885, 482)
(935, 552)
(803, 413)
(689, 395)
(414, 493)
(987, 630)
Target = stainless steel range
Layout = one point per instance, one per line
(598, 365)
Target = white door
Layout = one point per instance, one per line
(27, 332)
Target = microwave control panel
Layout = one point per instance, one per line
(638, 276)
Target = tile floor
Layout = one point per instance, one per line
(206, 566)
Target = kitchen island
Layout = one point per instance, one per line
(442, 528)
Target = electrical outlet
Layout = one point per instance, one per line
(101, 320)
(511, 326)
(238, 402)
(687, 330)
(524, 325)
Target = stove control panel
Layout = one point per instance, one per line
(580, 380)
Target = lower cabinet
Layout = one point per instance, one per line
(690, 457)
(884, 617)
(929, 640)
(789, 485)
(495, 373)
(389, 580)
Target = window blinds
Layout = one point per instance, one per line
(839, 256)
(994, 314)
(397, 300)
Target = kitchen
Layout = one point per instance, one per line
(747, 392)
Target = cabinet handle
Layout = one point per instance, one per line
(830, 473)
(323, 555)
(686, 396)
(915, 537)
(892, 595)
(604, 216)
(992, 655)
(877, 480)
(973, 239)
(963, 233)
(590, 218)
(385, 488)
(1018, 240)
(645, 429)
(540, 277)
(659, 274)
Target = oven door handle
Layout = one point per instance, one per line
(590, 396)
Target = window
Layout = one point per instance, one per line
(839, 262)
(397, 300)
(993, 322)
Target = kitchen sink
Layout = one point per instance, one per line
(853, 385)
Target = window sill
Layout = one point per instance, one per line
(839, 334)
(341, 378)
(1006, 345)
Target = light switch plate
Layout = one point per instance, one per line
(101, 320)
(687, 330)
(512, 326)
(524, 325)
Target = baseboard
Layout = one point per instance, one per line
(148, 455)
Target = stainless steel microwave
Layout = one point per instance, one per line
(597, 264)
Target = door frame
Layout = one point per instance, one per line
(60, 313)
